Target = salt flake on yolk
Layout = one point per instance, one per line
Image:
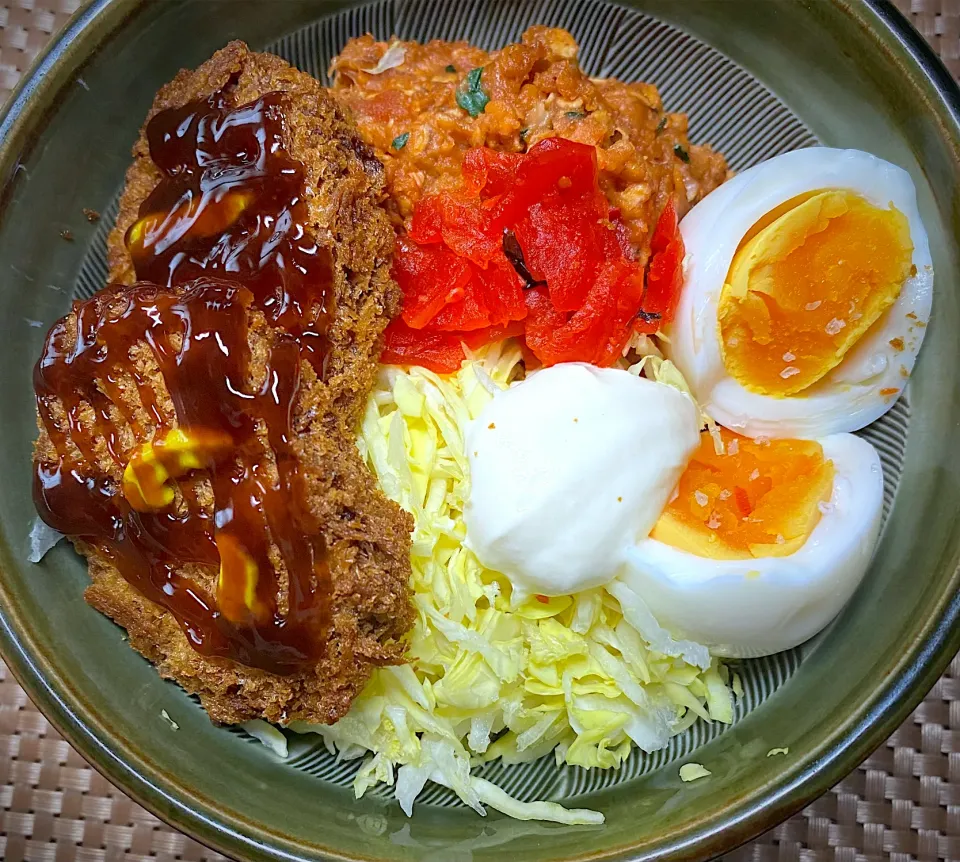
(775, 503)
(810, 278)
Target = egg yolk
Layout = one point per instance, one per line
(757, 499)
(805, 284)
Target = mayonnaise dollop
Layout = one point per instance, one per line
(570, 468)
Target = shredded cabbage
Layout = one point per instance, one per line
(42, 539)
(392, 57)
(268, 735)
(587, 677)
(653, 365)
(693, 771)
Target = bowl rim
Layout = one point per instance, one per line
(921, 664)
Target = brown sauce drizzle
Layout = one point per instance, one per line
(231, 204)
(198, 335)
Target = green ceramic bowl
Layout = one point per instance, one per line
(758, 76)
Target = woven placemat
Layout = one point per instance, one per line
(25, 27)
(903, 803)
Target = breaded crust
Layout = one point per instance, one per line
(345, 189)
(368, 537)
(367, 534)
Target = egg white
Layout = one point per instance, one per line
(848, 398)
(746, 608)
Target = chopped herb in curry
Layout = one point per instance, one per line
(470, 94)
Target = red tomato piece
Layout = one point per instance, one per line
(544, 327)
(489, 173)
(553, 160)
(469, 312)
(492, 297)
(430, 277)
(478, 338)
(503, 289)
(610, 309)
(627, 297)
(550, 165)
(665, 273)
(457, 221)
(557, 336)
(459, 285)
(426, 226)
(441, 352)
(467, 230)
(561, 245)
(596, 332)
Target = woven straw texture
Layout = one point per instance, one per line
(903, 803)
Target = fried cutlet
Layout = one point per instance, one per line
(344, 190)
(368, 536)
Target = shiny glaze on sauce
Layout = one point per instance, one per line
(198, 336)
(231, 204)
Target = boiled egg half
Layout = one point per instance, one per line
(762, 543)
(807, 287)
